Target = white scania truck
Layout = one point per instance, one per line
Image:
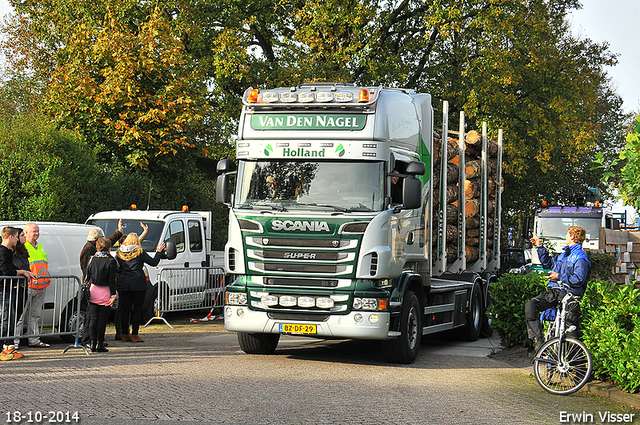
(334, 228)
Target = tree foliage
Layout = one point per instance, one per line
(49, 174)
(158, 85)
(629, 185)
(121, 74)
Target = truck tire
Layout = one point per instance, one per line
(487, 328)
(258, 343)
(404, 349)
(474, 317)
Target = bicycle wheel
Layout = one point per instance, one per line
(562, 369)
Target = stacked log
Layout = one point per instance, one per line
(451, 200)
(472, 190)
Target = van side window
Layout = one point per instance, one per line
(176, 235)
(195, 236)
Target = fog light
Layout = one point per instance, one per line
(288, 301)
(240, 312)
(357, 317)
(228, 311)
(306, 302)
(269, 300)
(374, 318)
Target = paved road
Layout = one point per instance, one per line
(197, 374)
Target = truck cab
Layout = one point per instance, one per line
(332, 226)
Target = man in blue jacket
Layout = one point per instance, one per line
(570, 267)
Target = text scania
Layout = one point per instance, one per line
(310, 226)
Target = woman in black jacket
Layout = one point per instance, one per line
(101, 273)
(131, 260)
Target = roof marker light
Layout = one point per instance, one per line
(185, 208)
(364, 95)
(252, 96)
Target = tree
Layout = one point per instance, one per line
(50, 175)
(121, 74)
(629, 186)
(159, 85)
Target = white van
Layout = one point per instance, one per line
(63, 243)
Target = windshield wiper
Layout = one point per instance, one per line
(341, 209)
(273, 207)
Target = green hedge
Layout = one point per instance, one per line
(611, 331)
(610, 323)
(510, 293)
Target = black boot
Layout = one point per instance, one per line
(93, 346)
(101, 348)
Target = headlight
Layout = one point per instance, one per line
(236, 298)
(369, 304)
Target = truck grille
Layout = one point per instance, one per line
(313, 283)
(304, 257)
(299, 317)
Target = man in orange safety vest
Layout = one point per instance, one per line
(34, 300)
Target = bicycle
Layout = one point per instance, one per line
(563, 364)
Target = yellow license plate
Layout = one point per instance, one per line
(290, 328)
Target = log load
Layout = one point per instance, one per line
(472, 207)
(452, 234)
(473, 143)
(452, 173)
(472, 223)
(452, 214)
(472, 188)
(472, 252)
(472, 169)
(472, 233)
(452, 149)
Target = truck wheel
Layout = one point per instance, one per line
(474, 317)
(487, 328)
(404, 349)
(258, 343)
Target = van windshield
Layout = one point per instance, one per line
(110, 225)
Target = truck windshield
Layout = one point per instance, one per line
(557, 227)
(323, 185)
(110, 225)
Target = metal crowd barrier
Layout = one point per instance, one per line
(183, 289)
(59, 315)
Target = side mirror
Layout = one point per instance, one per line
(416, 168)
(412, 193)
(222, 189)
(170, 252)
(224, 165)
